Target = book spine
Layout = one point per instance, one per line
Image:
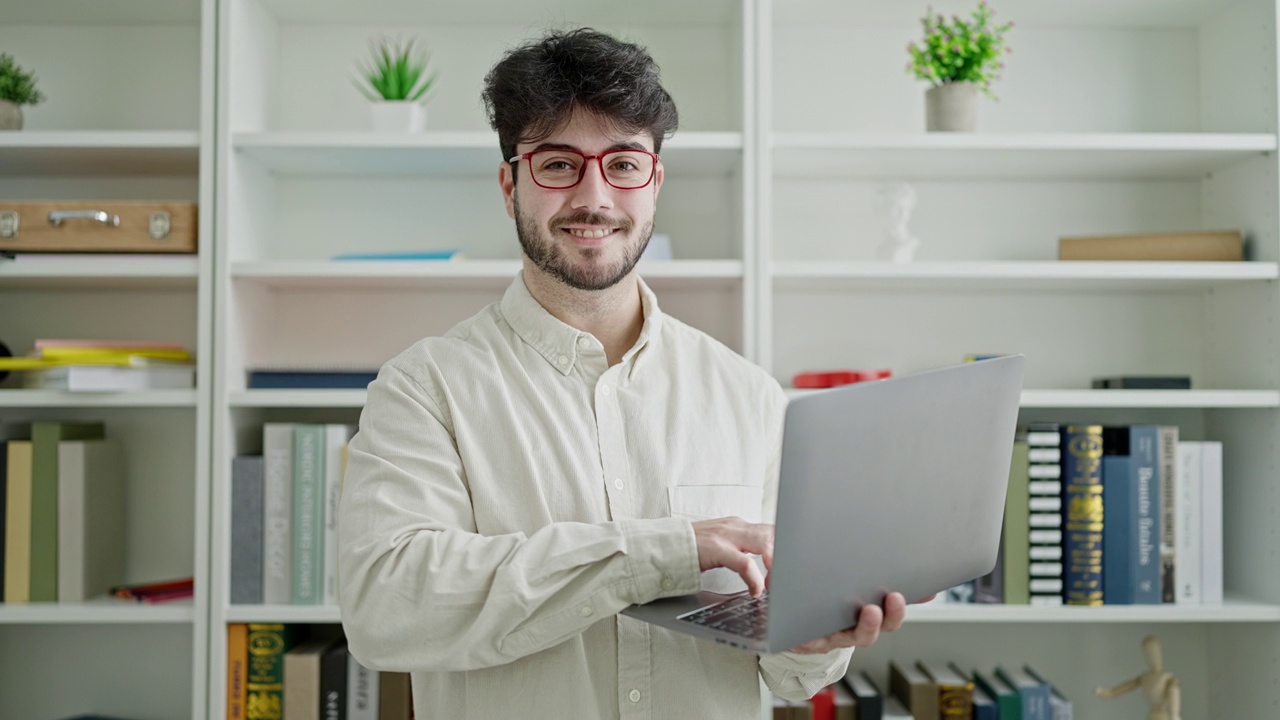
(362, 691)
(308, 514)
(246, 529)
(237, 669)
(1189, 536)
(335, 452)
(4, 497)
(1015, 535)
(17, 530)
(1044, 473)
(1119, 530)
(277, 539)
(1167, 457)
(1082, 499)
(45, 437)
(1144, 443)
(333, 683)
(264, 686)
(1211, 529)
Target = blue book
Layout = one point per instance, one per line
(1119, 530)
(310, 380)
(984, 706)
(435, 255)
(1008, 701)
(1144, 443)
(1082, 513)
(1034, 694)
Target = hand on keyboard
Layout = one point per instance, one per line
(730, 542)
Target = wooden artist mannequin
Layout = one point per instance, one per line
(1161, 689)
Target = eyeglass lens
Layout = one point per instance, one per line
(562, 169)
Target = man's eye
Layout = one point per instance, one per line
(625, 166)
(557, 165)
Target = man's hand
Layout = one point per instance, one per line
(729, 543)
(871, 621)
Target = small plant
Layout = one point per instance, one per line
(395, 72)
(17, 85)
(959, 50)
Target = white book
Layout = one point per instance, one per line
(277, 508)
(362, 691)
(1211, 523)
(1044, 503)
(1187, 550)
(91, 518)
(1045, 552)
(112, 378)
(336, 436)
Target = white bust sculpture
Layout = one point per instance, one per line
(897, 200)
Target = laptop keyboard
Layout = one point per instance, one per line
(742, 615)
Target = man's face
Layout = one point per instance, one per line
(590, 236)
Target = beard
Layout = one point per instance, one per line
(541, 247)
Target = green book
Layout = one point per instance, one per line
(1017, 561)
(45, 437)
(264, 686)
(1008, 701)
(308, 514)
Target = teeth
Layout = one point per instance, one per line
(588, 233)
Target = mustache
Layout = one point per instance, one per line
(589, 218)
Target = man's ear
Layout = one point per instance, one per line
(507, 179)
(658, 174)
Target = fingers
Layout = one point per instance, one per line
(730, 543)
(895, 612)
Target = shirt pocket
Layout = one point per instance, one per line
(705, 502)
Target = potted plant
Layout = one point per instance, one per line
(396, 82)
(960, 58)
(17, 88)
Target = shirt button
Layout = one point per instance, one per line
(562, 360)
(634, 695)
(586, 611)
(605, 390)
(668, 584)
(584, 343)
(617, 482)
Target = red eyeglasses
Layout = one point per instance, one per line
(561, 169)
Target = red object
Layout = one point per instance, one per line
(833, 378)
(824, 704)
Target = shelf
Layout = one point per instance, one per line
(119, 271)
(1052, 275)
(1080, 13)
(116, 12)
(100, 611)
(59, 399)
(283, 613)
(379, 274)
(74, 153)
(513, 13)
(452, 154)
(1231, 612)
(991, 156)
(1148, 399)
(297, 398)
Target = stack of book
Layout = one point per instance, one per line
(104, 366)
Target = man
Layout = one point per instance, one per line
(570, 450)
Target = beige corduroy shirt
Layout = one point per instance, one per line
(509, 493)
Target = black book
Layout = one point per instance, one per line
(870, 702)
(1143, 382)
(333, 683)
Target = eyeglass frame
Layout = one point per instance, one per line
(586, 160)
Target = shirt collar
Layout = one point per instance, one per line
(556, 341)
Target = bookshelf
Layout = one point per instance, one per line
(1115, 116)
(117, 125)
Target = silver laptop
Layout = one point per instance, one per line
(892, 485)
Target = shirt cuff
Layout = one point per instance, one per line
(798, 676)
(663, 558)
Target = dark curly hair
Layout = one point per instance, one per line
(534, 89)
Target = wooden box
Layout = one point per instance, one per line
(93, 227)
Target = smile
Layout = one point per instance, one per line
(589, 233)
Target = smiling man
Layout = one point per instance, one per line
(570, 450)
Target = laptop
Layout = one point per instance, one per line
(890, 485)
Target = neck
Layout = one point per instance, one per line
(613, 316)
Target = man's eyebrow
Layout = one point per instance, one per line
(631, 145)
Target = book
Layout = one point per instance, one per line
(1044, 475)
(844, 706)
(17, 527)
(1144, 442)
(333, 682)
(302, 680)
(155, 592)
(868, 700)
(822, 704)
(112, 378)
(420, 255)
(1142, 382)
(915, 689)
(1033, 693)
(336, 437)
(894, 709)
(1060, 708)
(277, 502)
(1119, 530)
(1167, 461)
(1015, 535)
(1188, 539)
(307, 586)
(1008, 701)
(1202, 246)
(268, 643)
(1082, 496)
(1211, 523)
(311, 379)
(246, 529)
(45, 437)
(955, 692)
(395, 696)
(362, 690)
(237, 669)
(984, 706)
(91, 518)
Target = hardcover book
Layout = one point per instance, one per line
(45, 437)
(237, 669)
(91, 519)
(308, 514)
(17, 526)
(915, 689)
(955, 692)
(268, 643)
(1143, 382)
(1167, 460)
(1202, 246)
(1082, 496)
(1015, 535)
(246, 529)
(277, 498)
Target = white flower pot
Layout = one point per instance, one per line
(398, 116)
(10, 116)
(952, 107)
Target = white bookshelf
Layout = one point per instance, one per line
(128, 116)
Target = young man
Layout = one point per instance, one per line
(570, 450)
